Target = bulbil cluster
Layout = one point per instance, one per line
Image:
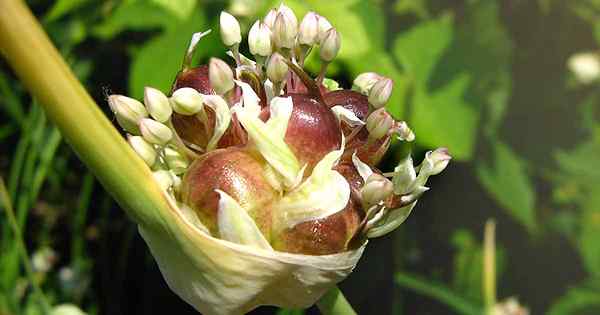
(267, 156)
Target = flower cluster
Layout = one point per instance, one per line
(265, 156)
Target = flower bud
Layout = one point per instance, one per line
(380, 92)
(157, 104)
(435, 162)
(259, 40)
(186, 101)
(67, 309)
(308, 33)
(323, 27)
(270, 18)
(379, 123)
(404, 132)
(277, 69)
(365, 81)
(285, 30)
(376, 189)
(220, 76)
(155, 132)
(128, 112)
(230, 29)
(177, 163)
(143, 149)
(330, 45)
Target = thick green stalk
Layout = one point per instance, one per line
(97, 143)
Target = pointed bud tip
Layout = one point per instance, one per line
(330, 45)
(380, 92)
(230, 29)
(220, 76)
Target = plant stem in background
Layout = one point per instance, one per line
(489, 266)
(10, 213)
(334, 303)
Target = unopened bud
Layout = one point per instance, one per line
(186, 101)
(176, 161)
(404, 132)
(376, 189)
(380, 92)
(143, 149)
(259, 40)
(277, 69)
(308, 33)
(128, 111)
(220, 76)
(330, 45)
(157, 104)
(285, 30)
(230, 29)
(270, 18)
(435, 162)
(379, 123)
(155, 132)
(324, 27)
(365, 81)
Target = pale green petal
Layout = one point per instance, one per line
(324, 193)
(270, 144)
(347, 116)
(223, 118)
(250, 100)
(390, 221)
(404, 176)
(281, 111)
(363, 169)
(235, 225)
(218, 277)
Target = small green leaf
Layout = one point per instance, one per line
(62, 7)
(575, 301)
(505, 178)
(588, 240)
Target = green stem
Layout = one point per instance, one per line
(334, 303)
(489, 266)
(10, 213)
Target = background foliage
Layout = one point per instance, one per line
(486, 78)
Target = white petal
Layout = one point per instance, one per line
(235, 225)
(223, 118)
(347, 116)
(363, 169)
(281, 111)
(250, 100)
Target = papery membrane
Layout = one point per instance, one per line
(362, 168)
(322, 194)
(235, 225)
(222, 121)
(347, 116)
(221, 278)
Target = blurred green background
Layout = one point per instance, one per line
(489, 79)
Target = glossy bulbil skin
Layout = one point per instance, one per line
(190, 128)
(235, 171)
(328, 235)
(312, 132)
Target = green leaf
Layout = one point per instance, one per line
(158, 61)
(290, 312)
(575, 301)
(588, 240)
(179, 8)
(62, 7)
(505, 178)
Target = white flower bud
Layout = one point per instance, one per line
(66, 309)
(379, 123)
(285, 30)
(376, 189)
(230, 29)
(259, 40)
(404, 132)
(308, 33)
(177, 163)
(128, 111)
(220, 76)
(143, 149)
(157, 104)
(365, 81)
(186, 101)
(277, 69)
(270, 18)
(585, 66)
(435, 162)
(155, 132)
(324, 27)
(380, 92)
(330, 45)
